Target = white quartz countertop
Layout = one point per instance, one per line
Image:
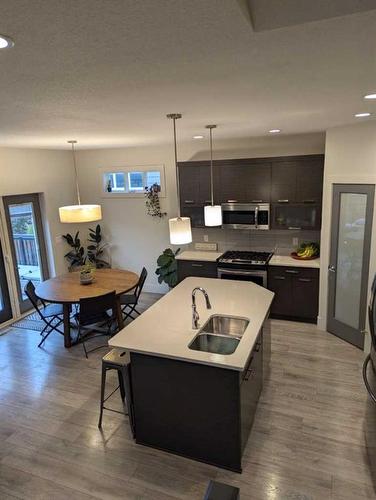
(286, 260)
(199, 255)
(165, 329)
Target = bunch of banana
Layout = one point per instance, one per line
(308, 250)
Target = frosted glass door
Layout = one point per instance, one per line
(349, 261)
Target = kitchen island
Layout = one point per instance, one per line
(192, 402)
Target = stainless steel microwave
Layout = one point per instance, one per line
(246, 215)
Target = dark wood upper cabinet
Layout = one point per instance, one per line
(244, 183)
(298, 180)
(295, 180)
(194, 183)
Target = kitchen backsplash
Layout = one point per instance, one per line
(279, 242)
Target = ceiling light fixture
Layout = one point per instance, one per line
(274, 131)
(370, 96)
(6, 42)
(362, 115)
(79, 213)
(198, 137)
(180, 227)
(212, 213)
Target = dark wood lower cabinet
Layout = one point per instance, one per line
(296, 293)
(199, 268)
(197, 411)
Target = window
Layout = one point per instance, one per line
(132, 181)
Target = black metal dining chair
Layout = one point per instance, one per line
(50, 314)
(98, 315)
(129, 301)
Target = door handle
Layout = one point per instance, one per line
(332, 269)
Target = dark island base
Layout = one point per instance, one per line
(197, 411)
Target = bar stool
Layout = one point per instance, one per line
(119, 360)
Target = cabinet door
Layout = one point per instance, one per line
(309, 181)
(189, 184)
(283, 181)
(195, 213)
(305, 297)
(200, 268)
(250, 389)
(257, 181)
(281, 284)
(295, 217)
(232, 181)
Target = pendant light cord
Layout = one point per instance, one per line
(210, 127)
(72, 143)
(174, 117)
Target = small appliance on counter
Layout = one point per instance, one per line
(245, 266)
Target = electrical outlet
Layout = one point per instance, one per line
(295, 242)
(206, 238)
(58, 239)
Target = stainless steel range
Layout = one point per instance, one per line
(244, 266)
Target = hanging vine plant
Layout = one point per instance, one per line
(152, 201)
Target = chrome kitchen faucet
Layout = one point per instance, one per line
(195, 315)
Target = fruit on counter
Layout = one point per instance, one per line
(308, 250)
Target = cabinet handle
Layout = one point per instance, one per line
(189, 201)
(279, 278)
(249, 373)
(309, 201)
(232, 201)
(257, 348)
(305, 280)
(207, 201)
(293, 228)
(290, 271)
(197, 265)
(256, 201)
(283, 201)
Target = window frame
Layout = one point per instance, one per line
(126, 170)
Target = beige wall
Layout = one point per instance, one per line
(350, 157)
(137, 239)
(48, 172)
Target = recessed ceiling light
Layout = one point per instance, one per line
(5, 42)
(198, 137)
(274, 131)
(362, 115)
(370, 96)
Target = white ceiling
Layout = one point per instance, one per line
(106, 72)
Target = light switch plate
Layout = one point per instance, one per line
(206, 246)
(295, 242)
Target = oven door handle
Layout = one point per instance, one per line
(242, 273)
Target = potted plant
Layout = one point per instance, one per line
(87, 274)
(152, 201)
(167, 267)
(76, 257)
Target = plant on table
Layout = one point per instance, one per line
(168, 270)
(96, 248)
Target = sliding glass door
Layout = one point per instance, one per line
(25, 231)
(5, 306)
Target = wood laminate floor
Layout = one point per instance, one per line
(307, 441)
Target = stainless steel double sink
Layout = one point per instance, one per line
(220, 334)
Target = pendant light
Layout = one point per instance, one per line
(79, 213)
(180, 227)
(212, 213)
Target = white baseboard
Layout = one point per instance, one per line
(321, 323)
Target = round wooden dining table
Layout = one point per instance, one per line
(67, 290)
